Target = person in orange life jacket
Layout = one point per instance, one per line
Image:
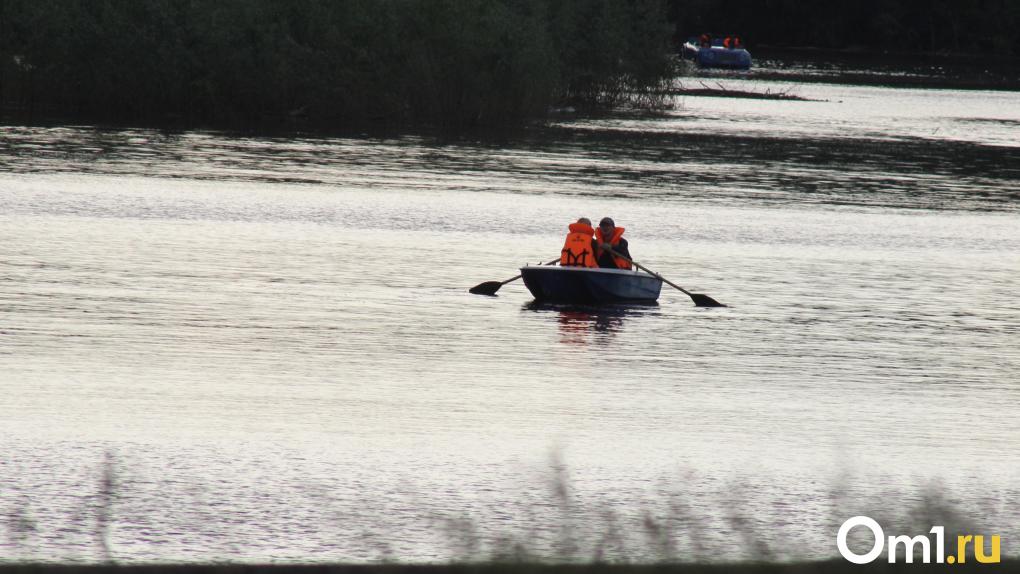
(727, 43)
(608, 234)
(579, 247)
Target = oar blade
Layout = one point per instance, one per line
(702, 300)
(487, 288)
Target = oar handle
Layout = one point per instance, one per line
(645, 269)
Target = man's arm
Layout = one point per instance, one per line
(623, 248)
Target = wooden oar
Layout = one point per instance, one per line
(700, 299)
(490, 287)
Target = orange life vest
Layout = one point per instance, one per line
(727, 43)
(577, 251)
(621, 263)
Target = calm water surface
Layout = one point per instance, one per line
(267, 343)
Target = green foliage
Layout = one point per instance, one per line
(331, 62)
(608, 48)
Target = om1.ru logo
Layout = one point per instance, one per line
(909, 544)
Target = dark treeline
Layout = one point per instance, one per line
(942, 26)
(328, 63)
(339, 63)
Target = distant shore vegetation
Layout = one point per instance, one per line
(336, 64)
(328, 63)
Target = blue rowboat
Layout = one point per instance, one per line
(587, 286)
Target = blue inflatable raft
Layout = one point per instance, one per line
(717, 55)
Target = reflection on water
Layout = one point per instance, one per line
(583, 325)
(929, 70)
(860, 146)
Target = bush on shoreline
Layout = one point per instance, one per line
(329, 63)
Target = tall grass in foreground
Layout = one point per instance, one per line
(564, 528)
(671, 529)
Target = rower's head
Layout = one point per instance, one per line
(607, 226)
(585, 221)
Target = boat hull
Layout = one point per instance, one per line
(718, 57)
(584, 286)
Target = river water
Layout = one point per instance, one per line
(253, 348)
